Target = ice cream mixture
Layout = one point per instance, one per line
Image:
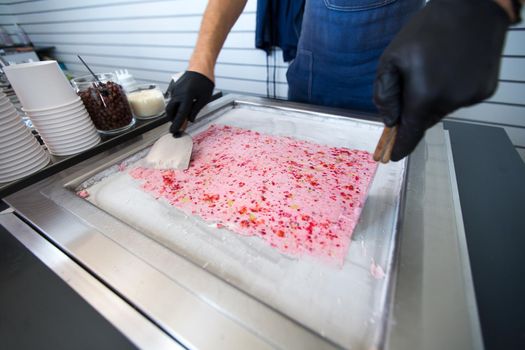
(300, 197)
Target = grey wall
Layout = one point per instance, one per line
(154, 39)
(507, 107)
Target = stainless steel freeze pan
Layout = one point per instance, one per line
(207, 286)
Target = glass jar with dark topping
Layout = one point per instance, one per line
(105, 102)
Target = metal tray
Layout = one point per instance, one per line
(235, 291)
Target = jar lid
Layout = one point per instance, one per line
(87, 80)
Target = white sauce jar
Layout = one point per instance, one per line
(147, 101)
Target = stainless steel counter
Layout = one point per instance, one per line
(433, 294)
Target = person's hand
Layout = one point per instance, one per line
(446, 57)
(189, 94)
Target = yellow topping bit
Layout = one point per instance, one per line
(252, 217)
(230, 202)
(185, 199)
(294, 206)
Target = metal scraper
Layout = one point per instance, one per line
(386, 144)
(171, 152)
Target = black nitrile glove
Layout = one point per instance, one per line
(446, 57)
(189, 94)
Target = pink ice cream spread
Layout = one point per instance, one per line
(300, 197)
(83, 194)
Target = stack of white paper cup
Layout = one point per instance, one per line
(53, 107)
(65, 129)
(20, 153)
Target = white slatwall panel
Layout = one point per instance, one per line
(507, 107)
(154, 39)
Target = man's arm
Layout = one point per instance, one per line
(509, 8)
(219, 18)
(193, 90)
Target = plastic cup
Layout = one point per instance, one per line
(16, 134)
(4, 101)
(59, 118)
(39, 163)
(71, 136)
(75, 112)
(35, 157)
(60, 108)
(23, 154)
(40, 85)
(71, 109)
(6, 133)
(66, 151)
(66, 126)
(8, 117)
(20, 142)
(13, 123)
(7, 108)
(65, 142)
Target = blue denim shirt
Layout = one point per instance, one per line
(339, 48)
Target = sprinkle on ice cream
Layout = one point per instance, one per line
(300, 197)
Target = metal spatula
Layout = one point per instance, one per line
(170, 152)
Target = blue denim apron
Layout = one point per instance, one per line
(339, 47)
